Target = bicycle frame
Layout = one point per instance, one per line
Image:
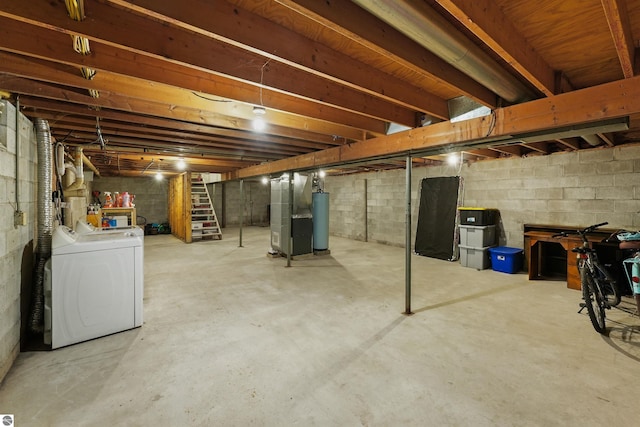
(599, 289)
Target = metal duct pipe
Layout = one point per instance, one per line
(592, 140)
(422, 24)
(45, 222)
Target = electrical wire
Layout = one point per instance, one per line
(210, 99)
(262, 79)
(88, 73)
(100, 139)
(81, 44)
(75, 9)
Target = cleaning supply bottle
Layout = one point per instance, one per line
(108, 201)
(126, 202)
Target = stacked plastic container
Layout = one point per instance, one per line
(477, 235)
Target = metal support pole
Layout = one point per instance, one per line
(407, 267)
(241, 210)
(290, 237)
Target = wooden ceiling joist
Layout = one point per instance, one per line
(620, 27)
(485, 20)
(227, 61)
(611, 100)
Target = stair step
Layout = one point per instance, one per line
(204, 223)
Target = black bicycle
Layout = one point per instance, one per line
(599, 289)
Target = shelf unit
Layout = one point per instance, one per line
(130, 213)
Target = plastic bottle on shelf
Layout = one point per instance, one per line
(108, 201)
(126, 202)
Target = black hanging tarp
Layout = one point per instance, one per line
(437, 217)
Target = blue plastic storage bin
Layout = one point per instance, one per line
(505, 259)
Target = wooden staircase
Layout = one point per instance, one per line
(204, 222)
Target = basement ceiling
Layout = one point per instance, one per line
(141, 83)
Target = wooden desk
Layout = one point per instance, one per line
(535, 236)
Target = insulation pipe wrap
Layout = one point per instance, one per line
(45, 222)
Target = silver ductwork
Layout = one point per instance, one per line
(45, 222)
(416, 20)
(592, 140)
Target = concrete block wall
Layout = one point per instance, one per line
(17, 243)
(151, 195)
(575, 188)
(347, 206)
(257, 197)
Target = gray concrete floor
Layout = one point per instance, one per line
(234, 338)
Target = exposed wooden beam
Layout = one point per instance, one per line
(247, 31)
(606, 101)
(572, 143)
(79, 134)
(54, 47)
(483, 152)
(64, 109)
(122, 29)
(511, 150)
(485, 19)
(540, 147)
(620, 27)
(111, 127)
(147, 157)
(607, 138)
(352, 22)
(107, 100)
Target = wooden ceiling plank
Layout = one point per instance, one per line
(80, 138)
(79, 134)
(620, 27)
(608, 138)
(145, 157)
(606, 101)
(120, 28)
(64, 108)
(106, 100)
(247, 31)
(347, 19)
(540, 147)
(233, 152)
(109, 127)
(485, 20)
(52, 46)
(572, 143)
(511, 150)
(483, 152)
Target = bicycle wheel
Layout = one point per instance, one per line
(594, 301)
(609, 288)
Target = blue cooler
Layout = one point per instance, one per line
(505, 259)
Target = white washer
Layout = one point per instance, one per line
(83, 228)
(94, 286)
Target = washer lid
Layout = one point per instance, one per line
(63, 236)
(100, 242)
